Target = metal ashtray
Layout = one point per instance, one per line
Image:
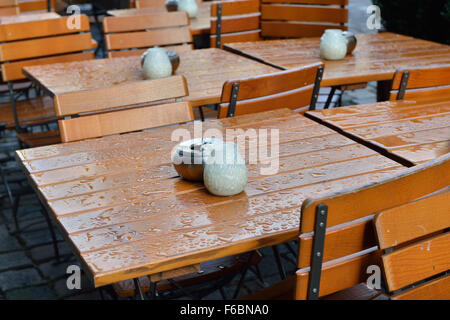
(351, 41)
(190, 157)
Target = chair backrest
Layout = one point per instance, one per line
(296, 89)
(337, 240)
(34, 5)
(157, 4)
(144, 31)
(42, 42)
(425, 82)
(122, 108)
(9, 7)
(416, 240)
(302, 18)
(235, 21)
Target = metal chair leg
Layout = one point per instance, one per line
(52, 233)
(279, 263)
(243, 274)
(202, 117)
(137, 285)
(330, 97)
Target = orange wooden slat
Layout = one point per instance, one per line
(41, 28)
(44, 47)
(417, 262)
(143, 22)
(148, 38)
(121, 95)
(303, 13)
(124, 121)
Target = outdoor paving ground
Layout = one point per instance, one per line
(28, 269)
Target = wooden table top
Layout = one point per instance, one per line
(206, 70)
(375, 58)
(27, 17)
(414, 132)
(121, 205)
(201, 24)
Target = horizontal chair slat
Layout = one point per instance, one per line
(303, 13)
(417, 262)
(424, 77)
(130, 94)
(41, 28)
(263, 85)
(402, 224)
(45, 47)
(10, 11)
(148, 21)
(8, 3)
(148, 39)
(438, 289)
(332, 280)
(292, 29)
(13, 71)
(237, 37)
(237, 23)
(124, 121)
(295, 99)
(340, 242)
(236, 7)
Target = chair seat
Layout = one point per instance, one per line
(210, 270)
(39, 139)
(285, 290)
(30, 112)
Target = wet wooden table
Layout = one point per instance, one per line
(408, 131)
(121, 205)
(375, 58)
(198, 25)
(205, 70)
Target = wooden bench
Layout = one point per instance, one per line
(239, 21)
(415, 238)
(424, 83)
(302, 18)
(38, 43)
(123, 35)
(296, 89)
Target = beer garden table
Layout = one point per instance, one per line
(126, 213)
(375, 58)
(409, 131)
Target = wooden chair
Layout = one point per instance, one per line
(9, 7)
(35, 5)
(302, 18)
(234, 21)
(133, 114)
(37, 43)
(138, 117)
(125, 34)
(337, 241)
(294, 88)
(159, 5)
(428, 82)
(415, 238)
